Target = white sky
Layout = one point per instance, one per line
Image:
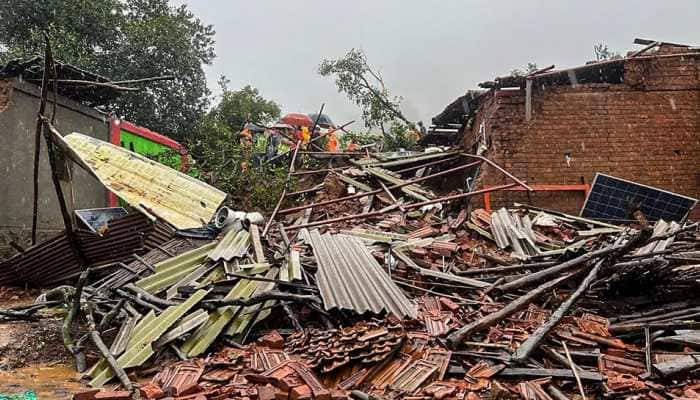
(429, 52)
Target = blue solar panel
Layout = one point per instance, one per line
(612, 198)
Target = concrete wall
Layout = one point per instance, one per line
(19, 103)
(646, 129)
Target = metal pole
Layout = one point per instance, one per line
(498, 167)
(365, 194)
(284, 191)
(408, 206)
(401, 171)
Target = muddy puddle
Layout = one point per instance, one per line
(47, 381)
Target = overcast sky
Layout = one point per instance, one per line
(429, 52)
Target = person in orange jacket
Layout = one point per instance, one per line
(331, 142)
(352, 146)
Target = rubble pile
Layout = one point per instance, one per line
(417, 296)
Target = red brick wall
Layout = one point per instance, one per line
(646, 130)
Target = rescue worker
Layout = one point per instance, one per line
(245, 138)
(352, 146)
(259, 147)
(331, 142)
(304, 135)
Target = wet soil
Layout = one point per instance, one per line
(32, 355)
(47, 381)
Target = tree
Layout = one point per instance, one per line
(245, 105)
(530, 68)
(364, 87)
(222, 161)
(602, 53)
(123, 41)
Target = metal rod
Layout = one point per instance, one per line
(401, 171)
(408, 206)
(318, 171)
(332, 153)
(377, 191)
(498, 167)
(300, 192)
(284, 191)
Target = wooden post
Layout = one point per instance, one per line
(37, 135)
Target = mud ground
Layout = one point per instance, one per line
(32, 355)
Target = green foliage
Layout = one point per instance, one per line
(245, 105)
(530, 68)
(359, 138)
(399, 137)
(364, 87)
(123, 41)
(602, 53)
(223, 162)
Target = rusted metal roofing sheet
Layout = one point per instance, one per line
(350, 278)
(124, 236)
(146, 185)
(41, 264)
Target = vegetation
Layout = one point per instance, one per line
(245, 105)
(365, 87)
(123, 41)
(221, 160)
(397, 137)
(602, 53)
(530, 68)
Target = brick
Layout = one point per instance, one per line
(113, 395)
(273, 340)
(281, 394)
(338, 395)
(151, 390)
(266, 393)
(86, 395)
(629, 130)
(302, 392)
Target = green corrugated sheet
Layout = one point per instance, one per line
(174, 269)
(203, 337)
(148, 331)
(239, 324)
(292, 270)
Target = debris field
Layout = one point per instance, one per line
(377, 284)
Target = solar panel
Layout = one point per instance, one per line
(612, 198)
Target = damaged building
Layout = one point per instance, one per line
(78, 109)
(637, 118)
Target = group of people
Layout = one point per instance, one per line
(272, 143)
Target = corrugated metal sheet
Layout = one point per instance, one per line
(41, 264)
(53, 260)
(234, 244)
(415, 191)
(156, 254)
(170, 271)
(146, 185)
(350, 278)
(131, 234)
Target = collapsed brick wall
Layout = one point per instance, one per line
(646, 129)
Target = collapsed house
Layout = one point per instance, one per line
(20, 96)
(637, 118)
(381, 281)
